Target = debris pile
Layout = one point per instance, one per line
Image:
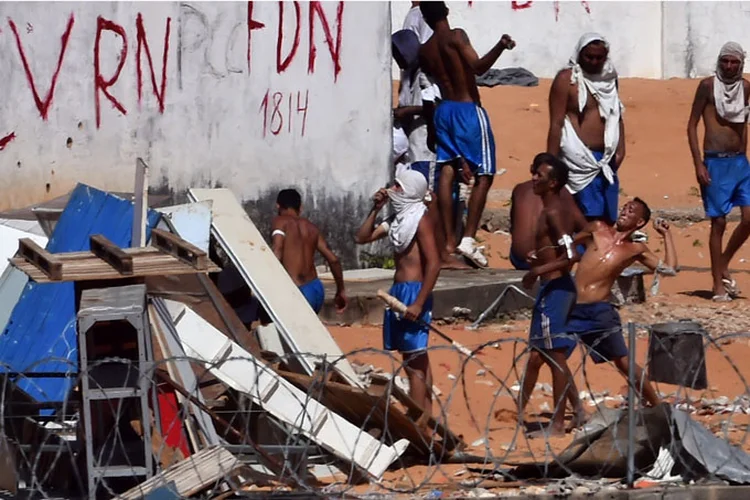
(128, 372)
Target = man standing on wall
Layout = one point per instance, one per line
(724, 172)
(464, 140)
(295, 241)
(586, 128)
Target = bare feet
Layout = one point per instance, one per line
(579, 419)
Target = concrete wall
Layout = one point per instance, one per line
(649, 39)
(250, 96)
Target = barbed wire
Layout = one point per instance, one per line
(260, 447)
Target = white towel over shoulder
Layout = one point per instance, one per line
(603, 87)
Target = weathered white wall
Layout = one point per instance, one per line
(546, 32)
(695, 31)
(230, 115)
(649, 39)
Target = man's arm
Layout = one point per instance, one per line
(579, 221)
(402, 113)
(564, 262)
(700, 101)
(431, 261)
(480, 65)
(558, 103)
(277, 240)
(368, 233)
(620, 152)
(336, 271)
(651, 261)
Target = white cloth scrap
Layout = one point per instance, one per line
(408, 206)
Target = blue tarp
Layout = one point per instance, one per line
(41, 335)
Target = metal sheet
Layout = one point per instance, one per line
(242, 372)
(41, 332)
(191, 221)
(295, 320)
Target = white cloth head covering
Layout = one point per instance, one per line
(409, 207)
(603, 88)
(729, 93)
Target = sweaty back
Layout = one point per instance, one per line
(300, 244)
(456, 78)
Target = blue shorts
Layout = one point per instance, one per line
(519, 263)
(598, 200)
(549, 320)
(462, 130)
(314, 293)
(402, 335)
(430, 170)
(730, 183)
(598, 326)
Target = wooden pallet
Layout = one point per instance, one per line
(167, 255)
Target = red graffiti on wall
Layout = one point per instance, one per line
(516, 5)
(281, 66)
(143, 42)
(5, 140)
(43, 105)
(333, 37)
(277, 109)
(252, 24)
(100, 84)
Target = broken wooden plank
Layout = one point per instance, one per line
(40, 258)
(83, 266)
(192, 475)
(111, 254)
(179, 248)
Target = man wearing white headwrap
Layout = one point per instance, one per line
(723, 172)
(417, 259)
(586, 129)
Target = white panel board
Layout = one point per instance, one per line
(295, 320)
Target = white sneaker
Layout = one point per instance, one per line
(469, 249)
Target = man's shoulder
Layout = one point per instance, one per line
(562, 79)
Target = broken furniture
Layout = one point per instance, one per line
(116, 365)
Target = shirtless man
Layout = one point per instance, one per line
(295, 240)
(417, 268)
(525, 208)
(724, 172)
(583, 104)
(557, 293)
(609, 250)
(464, 140)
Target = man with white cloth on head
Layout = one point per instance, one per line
(723, 172)
(412, 235)
(586, 129)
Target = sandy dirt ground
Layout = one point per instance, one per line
(658, 168)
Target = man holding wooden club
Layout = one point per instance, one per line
(412, 235)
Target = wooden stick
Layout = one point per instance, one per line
(400, 308)
(140, 204)
(111, 254)
(40, 258)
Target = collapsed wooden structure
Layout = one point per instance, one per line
(207, 396)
